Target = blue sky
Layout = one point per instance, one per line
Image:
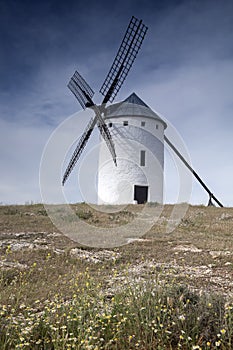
(184, 71)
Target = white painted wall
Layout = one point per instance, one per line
(116, 184)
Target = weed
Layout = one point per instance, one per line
(151, 296)
(142, 315)
(84, 215)
(11, 210)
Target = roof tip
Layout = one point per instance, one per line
(133, 98)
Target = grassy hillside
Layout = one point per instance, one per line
(162, 291)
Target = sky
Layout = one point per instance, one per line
(184, 71)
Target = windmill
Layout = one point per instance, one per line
(122, 63)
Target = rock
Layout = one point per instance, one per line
(188, 248)
(92, 256)
(225, 216)
(218, 253)
(10, 265)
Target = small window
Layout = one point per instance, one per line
(110, 125)
(125, 123)
(157, 126)
(143, 123)
(143, 158)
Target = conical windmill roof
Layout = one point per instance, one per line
(132, 106)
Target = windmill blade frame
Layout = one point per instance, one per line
(79, 148)
(122, 63)
(82, 143)
(104, 131)
(124, 59)
(81, 90)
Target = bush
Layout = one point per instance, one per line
(84, 215)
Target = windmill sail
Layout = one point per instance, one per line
(104, 131)
(126, 55)
(84, 94)
(79, 148)
(82, 143)
(81, 90)
(124, 59)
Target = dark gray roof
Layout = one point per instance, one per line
(133, 98)
(132, 106)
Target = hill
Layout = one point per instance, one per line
(40, 266)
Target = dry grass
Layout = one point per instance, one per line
(118, 295)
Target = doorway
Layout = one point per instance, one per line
(140, 194)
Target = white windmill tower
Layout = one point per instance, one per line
(138, 136)
(132, 132)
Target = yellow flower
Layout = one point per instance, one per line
(223, 331)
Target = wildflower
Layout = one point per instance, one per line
(228, 307)
(181, 317)
(218, 343)
(208, 343)
(223, 331)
